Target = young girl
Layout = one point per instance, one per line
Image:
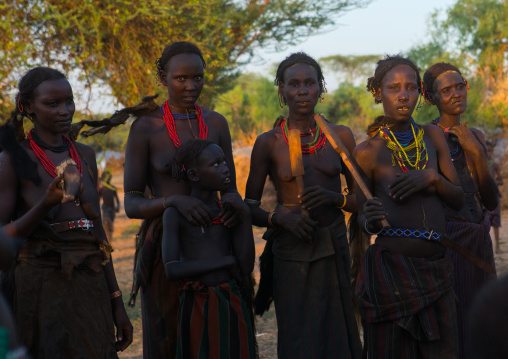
(404, 288)
(469, 227)
(213, 320)
(311, 264)
(66, 298)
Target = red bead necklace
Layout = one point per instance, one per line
(48, 165)
(170, 124)
(312, 147)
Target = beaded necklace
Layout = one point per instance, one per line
(311, 147)
(170, 123)
(48, 165)
(457, 151)
(399, 150)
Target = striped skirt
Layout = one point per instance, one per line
(407, 305)
(469, 279)
(213, 322)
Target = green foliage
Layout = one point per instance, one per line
(474, 37)
(117, 42)
(352, 68)
(251, 106)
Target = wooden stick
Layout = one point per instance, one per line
(338, 146)
(295, 155)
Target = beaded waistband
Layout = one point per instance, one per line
(414, 233)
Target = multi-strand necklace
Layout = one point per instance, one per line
(170, 123)
(36, 143)
(311, 147)
(456, 152)
(401, 143)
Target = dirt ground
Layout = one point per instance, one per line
(123, 243)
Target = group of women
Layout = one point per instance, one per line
(65, 296)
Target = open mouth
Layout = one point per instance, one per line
(403, 108)
(227, 180)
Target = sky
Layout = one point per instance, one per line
(382, 27)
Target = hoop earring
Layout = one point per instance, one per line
(20, 106)
(282, 100)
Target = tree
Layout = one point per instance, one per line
(116, 43)
(352, 68)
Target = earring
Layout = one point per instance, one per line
(20, 106)
(322, 98)
(282, 100)
(465, 82)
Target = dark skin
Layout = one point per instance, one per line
(214, 254)
(413, 199)
(109, 198)
(8, 249)
(270, 156)
(150, 151)
(24, 204)
(450, 97)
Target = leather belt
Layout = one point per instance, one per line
(83, 223)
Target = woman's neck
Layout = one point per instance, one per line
(302, 122)
(49, 138)
(447, 120)
(401, 126)
(176, 109)
(206, 196)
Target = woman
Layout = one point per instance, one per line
(404, 288)
(152, 144)
(66, 296)
(311, 255)
(469, 227)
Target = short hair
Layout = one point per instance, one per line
(176, 48)
(433, 73)
(187, 155)
(295, 59)
(26, 90)
(384, 66)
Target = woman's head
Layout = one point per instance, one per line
(181, 70)
(396, 84)
(202, 163)
(45, 96)
(445, 87)
(300, 81)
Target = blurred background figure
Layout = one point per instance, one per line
(110, 203)
(495, 215)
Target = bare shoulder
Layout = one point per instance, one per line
(267, 138)
(86, 150)
(479, 134)
(146, 123)
(214, 119)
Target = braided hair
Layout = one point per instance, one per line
(176, 48)
(375, 82)
(432, 74)
(296, 59)
(384, 66)
(26, 86)
(186, 156)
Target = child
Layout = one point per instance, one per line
(213, 320)
(404, 288)
(110, 204)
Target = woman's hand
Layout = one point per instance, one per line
(409, 183)
(317, 196)
(302, 227)
(374, 213)
(194, 210)
(54, 193)
(467, 139)
(233, 207)
(123, 325)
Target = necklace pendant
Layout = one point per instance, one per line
(77, 202)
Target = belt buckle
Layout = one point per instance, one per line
(430, 235)
(86, 224)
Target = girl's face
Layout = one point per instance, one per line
(52, 106)
(212, 169)
(301, 89)
(450, 93)
(399, 93)
(184, 79)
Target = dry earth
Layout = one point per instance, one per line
(123, 243)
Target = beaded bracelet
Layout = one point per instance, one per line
(116, 294)
(343, 204)
(133, 192)
(270, 216)
(372, 234)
